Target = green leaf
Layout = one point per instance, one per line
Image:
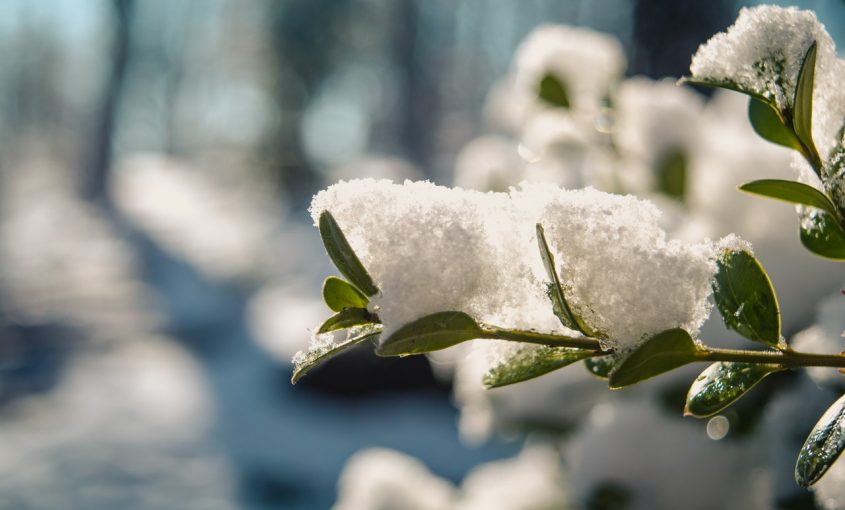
(555, 291)
(823, 446)
(802, 120)
(745, 297)
(553, 91)
(791, 191)
(340, 294)
(822, 235)
(601, 366)
(671, 173)
(324, 348)
(343, 256)
(769, 124)
(721, 384)
(664, 351)
(430, 333)
(532, 361)
(347, 318)
(720, 84)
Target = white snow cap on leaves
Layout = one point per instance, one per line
(588, 63)
(763, 51)
(762, 54)
(428, 248)
(432, 249)
(624, 277)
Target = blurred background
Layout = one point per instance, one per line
(158, 267)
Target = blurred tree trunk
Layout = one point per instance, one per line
(99, 156)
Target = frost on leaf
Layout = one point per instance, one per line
(326, 345)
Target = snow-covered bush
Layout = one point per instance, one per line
(540, 277)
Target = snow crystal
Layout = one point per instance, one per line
(762, 52)
(588, 63)
(733, 242)
(432, 249)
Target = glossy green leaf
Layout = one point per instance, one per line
(323, 348)
(822, 235)
(721, 384)
(343, 256)
(555, 291)
(347, 318)
(791, 191)
(601, 366)
(823, 446)
(802, 120)
(430, 333)
(530, 362)
(553, 91)
(339, 294)
(745, 297)
(671, 173)
(770, 125)
(664, 351)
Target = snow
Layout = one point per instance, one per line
(383, 479)
(427, 247)
(588, 63)
(129, 427)
(654, 118)
(431, 248)
(624, 276)
(762, 52)
(533, 479)
(664, 461)
(220, 223)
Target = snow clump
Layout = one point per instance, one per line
(431, 249)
